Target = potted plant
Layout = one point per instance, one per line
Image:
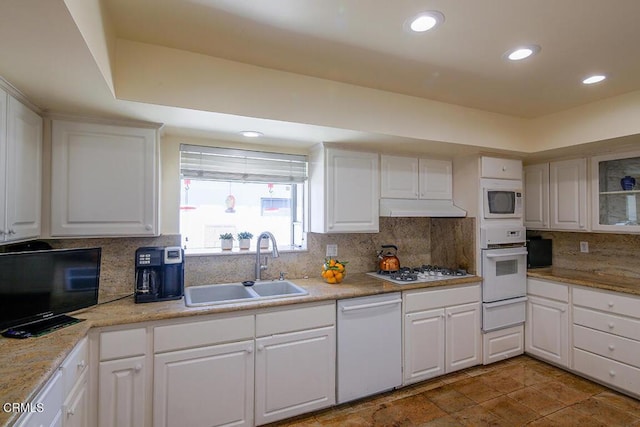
(226, 241)
(244, 239)
(264, 242)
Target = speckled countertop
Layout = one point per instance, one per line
(627, 285)
(26, 365)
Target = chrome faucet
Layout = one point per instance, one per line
(274, 253)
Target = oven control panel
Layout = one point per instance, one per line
(500, 235)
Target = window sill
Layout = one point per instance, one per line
(236, 251)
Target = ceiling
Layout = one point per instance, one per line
(361, 43)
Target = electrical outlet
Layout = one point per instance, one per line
(584, 247)
(332, 251)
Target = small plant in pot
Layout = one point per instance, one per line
(264, 242)
(244, 239)
(226, 241)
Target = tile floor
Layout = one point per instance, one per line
(517, 392)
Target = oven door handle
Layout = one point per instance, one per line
(490, 256)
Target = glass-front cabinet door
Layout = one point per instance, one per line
(616, 192)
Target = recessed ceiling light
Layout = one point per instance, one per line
(522, 52)
(251, 133)
(597, 78)
(425, 21)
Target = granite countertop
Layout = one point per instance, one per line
(26, 365)
(626, 285)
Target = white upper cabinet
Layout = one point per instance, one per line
(614, 192)
(412, 178)
(104, 180)
(399, 177)
(345, 190)
(536, 191)
(568, 195)
(493, 167)
(20, 170)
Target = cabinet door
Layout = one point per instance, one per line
(463, 339)
(547, 330)
(399, 177)
(352, 191)
(104, 180)
(423, 345)
(122, 399)
(568, 194)
(536, 200)
(24, 171)
(75, 411)
(436, 179)
(206, 386)
(295, 373)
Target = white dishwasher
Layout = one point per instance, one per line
(369, 345)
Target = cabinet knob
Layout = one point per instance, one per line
(612, 347)
(138, 367)
(611, 325)
(504, 168)
(148, 227)
(610, 304)
(612, 373)
(562, 310)
(449, 314)
(12, 231)
(250, 350)
(82, 364)
(71, 412)
(260, 347)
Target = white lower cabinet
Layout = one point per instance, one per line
(45, 408)
(122, 399)
(441, 331)
(206, 386)
(295, 362)
(75, 410)
(606, 338)
(547, 324)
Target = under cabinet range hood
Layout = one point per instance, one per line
(420, 208)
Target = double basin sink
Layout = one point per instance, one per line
(227, 293)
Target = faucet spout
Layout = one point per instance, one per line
(274, 253)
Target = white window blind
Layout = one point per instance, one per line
(212, 163)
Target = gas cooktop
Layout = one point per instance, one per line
(423, 274)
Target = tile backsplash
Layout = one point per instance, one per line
(448, 242)
(609, 254)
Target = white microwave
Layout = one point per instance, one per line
(502, 203)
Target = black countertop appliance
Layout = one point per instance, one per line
(539, 253)
(159, 273)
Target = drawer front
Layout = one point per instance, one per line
(47, 405)
(497, 315)
(125, 343)
(617, 325)
(549, 290)
(608, 371)
(297, 319)
(608, 302)
(611, 346)
(427, 300)
(74, 365)
(204, 333)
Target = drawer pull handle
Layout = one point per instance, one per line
(610, 304)
(611, 325)
(612, 373)
(138, 367)
(612, 347)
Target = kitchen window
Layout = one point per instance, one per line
(229, 190)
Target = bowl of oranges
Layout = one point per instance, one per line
(333, 271)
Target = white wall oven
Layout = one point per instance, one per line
(504, 274)
(502, 199)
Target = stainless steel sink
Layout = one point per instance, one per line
(236, 292)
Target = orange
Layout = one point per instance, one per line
(329, 273)
(332, 263)
(340, 267)
(331, 280)
(338, 276)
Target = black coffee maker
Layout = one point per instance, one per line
(159, 273)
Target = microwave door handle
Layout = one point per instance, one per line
(490, 256)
